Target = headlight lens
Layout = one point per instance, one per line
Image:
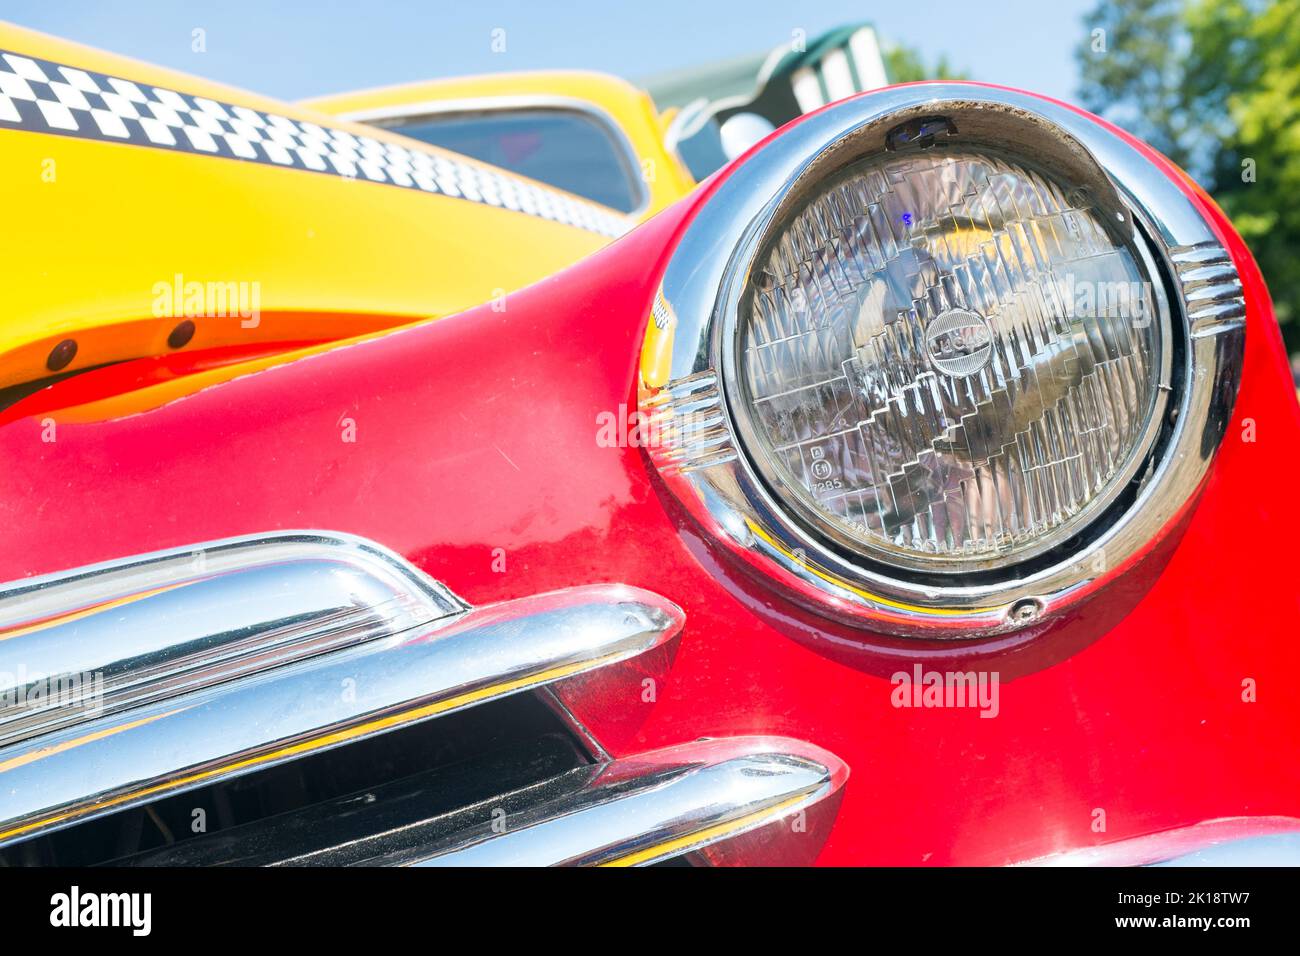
(947, 360)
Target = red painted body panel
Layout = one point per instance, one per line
(478, 433)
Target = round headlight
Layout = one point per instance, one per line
(947, 359)
(942, 360)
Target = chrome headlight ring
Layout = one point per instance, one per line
(704, 444)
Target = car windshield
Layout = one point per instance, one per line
(560, 147)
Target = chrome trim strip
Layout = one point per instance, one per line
(1276, 849)
(710, 266)
(743, 799)
(1211, 288)
(125, 633)
(385, 116)
(263, 717)
(1223, 841)
(689, 423)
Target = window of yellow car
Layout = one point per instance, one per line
(560, 147)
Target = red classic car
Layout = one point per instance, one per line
(907, 492)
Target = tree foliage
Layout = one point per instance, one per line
(904, 64)
(1215, 86)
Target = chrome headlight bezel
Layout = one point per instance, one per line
(702, 450)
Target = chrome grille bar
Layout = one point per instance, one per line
(113, 636)
(757, 800)
(288, 684)
(744, 800)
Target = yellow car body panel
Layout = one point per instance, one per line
(99, 231)
(629, 110)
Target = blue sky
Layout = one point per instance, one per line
(296, 49)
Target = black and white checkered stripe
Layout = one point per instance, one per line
(46, 97)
